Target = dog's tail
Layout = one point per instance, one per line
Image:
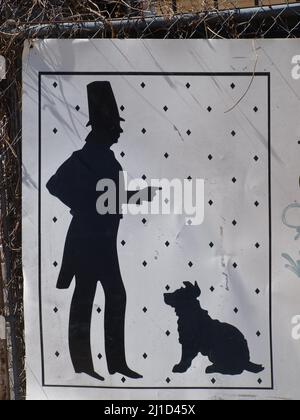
(253, 368)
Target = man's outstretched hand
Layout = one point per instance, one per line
(150, 193)
(145, 195)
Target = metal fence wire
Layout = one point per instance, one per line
(31, 19)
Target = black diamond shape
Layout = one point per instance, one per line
(123, 243)
(256, 158)
(168, 333)
(99, 310)
(144, 177)
(189, 132)
(210, 202)
(57, 354)
(166, 155)
(168, 380)
(259, 381)
(210, 157)
(77, 108)
(122, 154)
(234, 180)
(211, 244)
(166, 108)
(189, 178)
(191, 264)
(235, 265)
(54, 219)
(188, 85)
(235, 310)
(167, 244)
(122, 108)
(258, 333)
(55, 310)
(55, 264)
(167, 287)
(145, 263)
(55, 85)
(213, 381)
(257, 291)
(255, 109)
(209, 109)
(212, 289)
(232, 86)
(144, 221)
(256, 203)
(145, 310)
(99, 356)
(143, 85)
(233, 133)
(257, 245)
(145, 356)
(123, 380)
(144, 131)
(55, 131)
(234, 222)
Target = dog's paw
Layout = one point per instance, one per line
(180, 369)
(210, 370)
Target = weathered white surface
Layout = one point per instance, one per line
(2, 68)
(2, 328)
(233, 157)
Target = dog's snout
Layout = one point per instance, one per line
(167, 298)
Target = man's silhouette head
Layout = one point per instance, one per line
(104, 113)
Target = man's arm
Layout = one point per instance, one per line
(146, 194)
(72, 184)
(59, 184)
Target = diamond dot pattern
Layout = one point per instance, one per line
(157, 254)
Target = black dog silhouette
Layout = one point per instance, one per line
(223, 344)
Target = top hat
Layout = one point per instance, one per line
(103, 108)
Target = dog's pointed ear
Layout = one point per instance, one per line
(187, 284)
(197, 289)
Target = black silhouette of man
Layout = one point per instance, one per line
(90, 253)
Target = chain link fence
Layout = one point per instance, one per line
(30, 19)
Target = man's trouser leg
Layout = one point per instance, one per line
(115, 309)
(80, 325)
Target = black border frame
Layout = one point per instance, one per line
(192, 74)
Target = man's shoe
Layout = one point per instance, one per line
(92, 373)
(126, 372)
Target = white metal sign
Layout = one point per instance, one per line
(160, 217)
(2, 68)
